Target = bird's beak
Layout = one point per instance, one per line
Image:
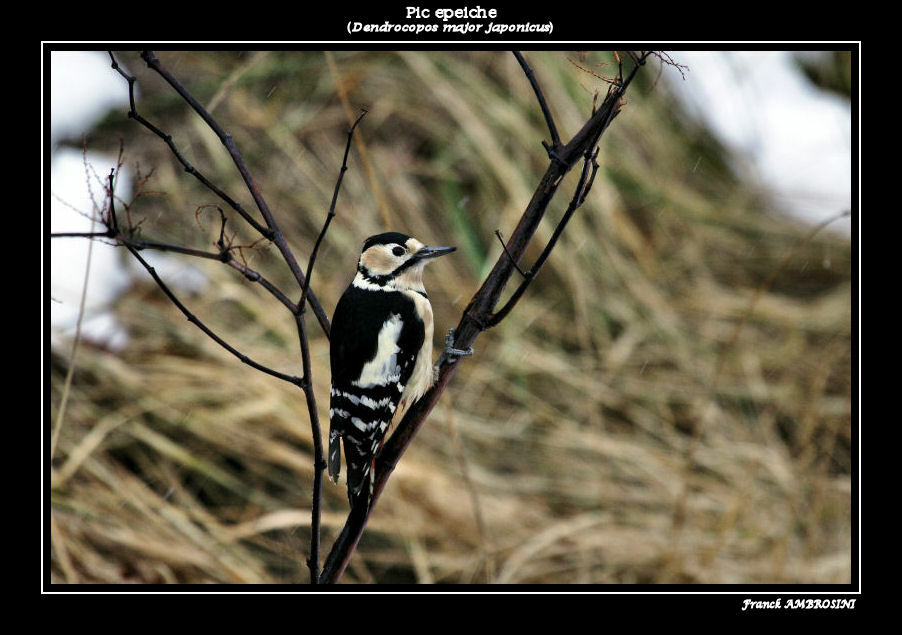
(427, 253)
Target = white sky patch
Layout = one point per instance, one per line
(789, 137)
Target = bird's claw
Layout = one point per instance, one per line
(451, 354)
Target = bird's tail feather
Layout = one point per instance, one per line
(334, 455)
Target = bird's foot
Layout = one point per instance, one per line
(450, 355)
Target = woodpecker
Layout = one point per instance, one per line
(380, 353)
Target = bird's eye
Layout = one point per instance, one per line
(398, 251)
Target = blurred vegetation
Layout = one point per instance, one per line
(832, 71)
(641, 417)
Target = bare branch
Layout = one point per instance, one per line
(666, 59)
(224, 255)
(154, 63)
(271, 230)
(549, 120)
(193, 318)
(104, 234)
(579, 195)
(331, 214)
(319, 461)
(190, 169)
(274, 233)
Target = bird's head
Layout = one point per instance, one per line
(396, 260)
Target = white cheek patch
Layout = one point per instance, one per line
(383, 369)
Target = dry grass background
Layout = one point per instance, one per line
(641, 417)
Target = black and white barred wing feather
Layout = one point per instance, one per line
(369, 374)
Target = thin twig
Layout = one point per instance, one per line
(331, 214)
(222, 256)
(504, 247)
(76, 340)
(297, 381)
(104, 234)
(319, 462)
(546, 112)
(194, 319)
(372, 179)
(255, 276)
